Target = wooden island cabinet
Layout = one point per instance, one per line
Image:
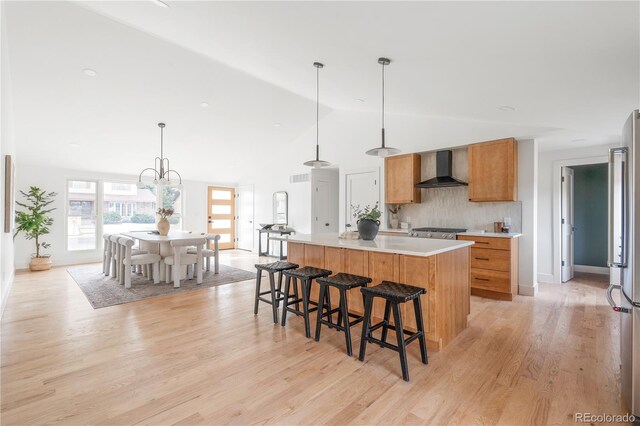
(444, 274)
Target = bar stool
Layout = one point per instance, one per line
(275, 293)
(306, 275)
(394, 294)
(342, 282)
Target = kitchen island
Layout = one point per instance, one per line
(439, 266)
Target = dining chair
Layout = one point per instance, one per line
(106, 254)
(182, 258)
(207, 253)
(128, 261)
(116, 260)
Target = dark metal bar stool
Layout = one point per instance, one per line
(342, 282)
(275, 293)
(394, 294)
(306, 275)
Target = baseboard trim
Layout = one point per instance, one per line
(591, 269)
(546, 278)
(528, 290)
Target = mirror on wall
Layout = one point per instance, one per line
(280, 208)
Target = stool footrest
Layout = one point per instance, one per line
(392, 327)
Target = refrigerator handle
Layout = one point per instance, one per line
(612, 302)
(617, 207)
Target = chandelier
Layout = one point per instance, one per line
(161, 167)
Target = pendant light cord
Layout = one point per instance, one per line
(161, 143)
(317, 113)
(383, 95)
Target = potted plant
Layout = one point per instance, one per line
(394, 209)
(163, 223)
(367, 220)
(34, 222)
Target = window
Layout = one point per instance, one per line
(118, 207)
(172, 199)
(128, 208)
(81, 215)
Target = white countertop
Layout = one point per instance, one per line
(383, 243)
(491, 234)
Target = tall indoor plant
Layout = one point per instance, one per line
(368, 223)
(34, 222)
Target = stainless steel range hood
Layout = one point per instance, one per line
(443, 179)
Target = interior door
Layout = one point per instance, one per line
(567, 224)
(362, 190)
(221, 214)
(324, 206)
(244, 217)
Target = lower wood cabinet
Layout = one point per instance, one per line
(494, 266)
(445, 306)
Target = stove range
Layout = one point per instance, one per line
(439, 233)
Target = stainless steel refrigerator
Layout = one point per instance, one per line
(624, 254)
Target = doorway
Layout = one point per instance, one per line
(566, 223)
(362, 189)
(583, 219)
(244, 217)
(221, 215)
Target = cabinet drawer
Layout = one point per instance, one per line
(491, 280)
(496, 260)
(495, 243)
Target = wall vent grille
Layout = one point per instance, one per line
(303, 177)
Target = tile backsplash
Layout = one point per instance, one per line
(450, 207)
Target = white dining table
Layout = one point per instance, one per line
(159, 244)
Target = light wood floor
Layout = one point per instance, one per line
(202, 357)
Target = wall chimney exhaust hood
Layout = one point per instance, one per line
(443, 177)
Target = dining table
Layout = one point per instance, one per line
(153, 242)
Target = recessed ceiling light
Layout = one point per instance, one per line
(90, 72)
(277, 125)
(160, 3)
(506, 108)
(359, 99)
(204, 104)
(74, 145)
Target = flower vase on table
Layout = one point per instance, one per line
(163, 224)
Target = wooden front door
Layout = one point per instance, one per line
(221, 214)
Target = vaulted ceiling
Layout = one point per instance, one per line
(568, 66)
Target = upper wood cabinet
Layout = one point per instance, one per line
(402, 173)
(493, 170)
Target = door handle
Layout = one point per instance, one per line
(612, 302)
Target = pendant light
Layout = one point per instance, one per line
(383, 150)
(317, 163)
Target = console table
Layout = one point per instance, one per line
(268, 232)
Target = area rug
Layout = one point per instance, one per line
(102, 291)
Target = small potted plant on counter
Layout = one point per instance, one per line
(367, 220)
(163, 223)
(394, 209)
(34, 222)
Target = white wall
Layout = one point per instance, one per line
(548, 255)
(7, 147)
(54, 179)
(528, 242)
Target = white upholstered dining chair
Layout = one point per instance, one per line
(106, 254)
(207, 253)
(129, 260)
(180, 258)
